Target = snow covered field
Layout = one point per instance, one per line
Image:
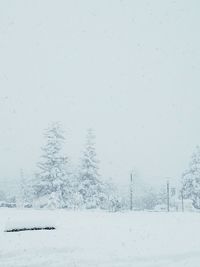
(137, 239)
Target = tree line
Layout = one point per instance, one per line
(56, 185)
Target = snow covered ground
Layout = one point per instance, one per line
(137, 239)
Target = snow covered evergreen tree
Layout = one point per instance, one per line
(51, 180)
(90, 187)
(191, 179)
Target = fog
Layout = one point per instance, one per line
(128, 69)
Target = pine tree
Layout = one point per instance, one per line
(191, 179)
(51, 179)
(90, 186)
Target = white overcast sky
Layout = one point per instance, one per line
(128, 69)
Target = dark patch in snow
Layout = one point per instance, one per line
(30, 229)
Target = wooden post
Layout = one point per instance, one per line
(182, 201)
(168, 196)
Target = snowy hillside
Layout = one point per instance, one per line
(89, 239)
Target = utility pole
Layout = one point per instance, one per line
(168, 195)
(131, 191)
(182, 201)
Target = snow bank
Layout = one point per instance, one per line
(101, 239)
